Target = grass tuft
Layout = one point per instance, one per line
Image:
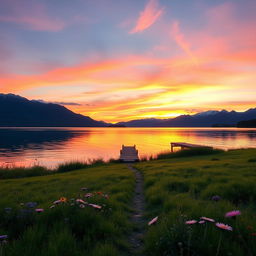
(189, 152)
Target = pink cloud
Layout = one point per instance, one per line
(220, 16)
(6, 56)
(179, 38)
(225, 37)
(148, 16)
(35, 23)
(36, 18)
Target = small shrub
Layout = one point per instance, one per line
(22, 172)
(66, 167)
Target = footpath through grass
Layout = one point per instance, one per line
(181, 190)
(67, 227)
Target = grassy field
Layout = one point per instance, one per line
(178, 188)
(187, 188)
(71, 227)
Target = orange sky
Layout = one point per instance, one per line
(155, 61)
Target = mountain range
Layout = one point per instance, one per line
(17, 111)
(204, 119)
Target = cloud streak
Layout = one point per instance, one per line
(60, 103)
(42, 23)
(34, 18)
(179, 38)
(148, 16)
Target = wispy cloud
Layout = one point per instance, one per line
(42, 23)
(179, 38)
(148, 16)
(60, 103)
(34, 18)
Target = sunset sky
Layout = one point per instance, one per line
(118, 60)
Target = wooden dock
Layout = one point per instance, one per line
(184, 145)
(129, 154)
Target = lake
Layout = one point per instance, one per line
(51, 146)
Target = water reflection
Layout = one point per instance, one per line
(18, 139)
(50, 146)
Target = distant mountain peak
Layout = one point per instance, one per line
(204, 119)
(12, 96)
(251, 110)
(207, 113)
(19, 111)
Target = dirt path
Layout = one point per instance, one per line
(138, 205)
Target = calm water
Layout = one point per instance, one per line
(50, 146)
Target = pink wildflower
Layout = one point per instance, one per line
(81, 201)
(153, 221)
(57, 202)
(232, 214)
(190, 222)
(81, 206)
(201, 222)
(207, 219)
(88, 195)
(52, 206)
(39, 210)
(224, 226)
(106, 196)
(95, 206)
(3, 237)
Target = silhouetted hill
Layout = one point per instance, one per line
(16, 111)
(204, 119)
(247, 124)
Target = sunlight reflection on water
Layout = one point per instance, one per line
(50, 146)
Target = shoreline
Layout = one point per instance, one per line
(37, 170)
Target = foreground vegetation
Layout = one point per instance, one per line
(87, 211)
(69, 227)
(15, 172)
(180, 190)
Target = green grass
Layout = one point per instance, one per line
(67, 229)
(180, 189)
(22, 172)
(189, 152)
